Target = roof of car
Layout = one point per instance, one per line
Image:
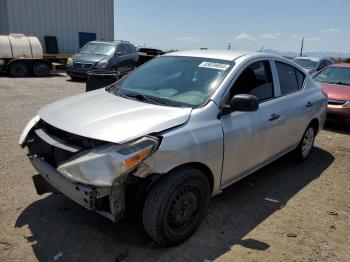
(217, 54)
(312, 58)
(341, 65)
(110, 41)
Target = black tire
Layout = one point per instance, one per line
(41, 68)
(176, 205)
(19, 69)
(304, 149)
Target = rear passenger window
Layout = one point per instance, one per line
(255, 80)
(300, 78)
(290, 78)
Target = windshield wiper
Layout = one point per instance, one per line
(141, 97)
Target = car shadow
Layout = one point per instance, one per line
(77, 80)
(63, 229)
(337, 128)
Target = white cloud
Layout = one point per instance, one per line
(295, 36)
(244, 36)
(312, 39)
(332, 30)
(187, 39)
(270, 36)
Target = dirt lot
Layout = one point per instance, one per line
(284, 212)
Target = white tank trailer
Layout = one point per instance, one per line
(22, 55)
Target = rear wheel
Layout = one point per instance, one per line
(19, 69)
(41, 69)
(176, 205)
(303, 151)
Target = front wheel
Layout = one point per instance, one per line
(176, 205)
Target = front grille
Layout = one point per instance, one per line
(336, 102)
(82, 65)
(53, 154)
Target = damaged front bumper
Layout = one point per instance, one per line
(93, 174)
(107, 201)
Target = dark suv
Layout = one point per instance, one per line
(119, 56)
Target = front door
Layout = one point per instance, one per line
(249, 137)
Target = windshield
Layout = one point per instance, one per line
(176, 80)
(98, 49)
(305, 63)
(334, 75)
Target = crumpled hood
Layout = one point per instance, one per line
(104, 116)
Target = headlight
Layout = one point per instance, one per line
(70, 61)
(101, 166)
(101, 64)
(347, 104)
(2, 62)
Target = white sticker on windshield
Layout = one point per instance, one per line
(212, 65)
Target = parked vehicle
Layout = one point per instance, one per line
(146, 54)
(312, 65)
(21, 55)
(150, 51)
(118, 56)
(335, 80)
(173, 133)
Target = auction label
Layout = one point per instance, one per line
(212, 65)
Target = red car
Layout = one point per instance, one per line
(335, 80)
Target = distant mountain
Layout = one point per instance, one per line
(317, 54)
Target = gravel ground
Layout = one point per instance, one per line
(284, 212)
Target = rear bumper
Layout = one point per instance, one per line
(338, 114)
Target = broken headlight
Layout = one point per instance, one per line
(100, 166)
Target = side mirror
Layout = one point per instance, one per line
(242, 103)
(119, 53)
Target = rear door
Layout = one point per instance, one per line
(250, 137)
(292, 104)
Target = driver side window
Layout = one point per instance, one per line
(255, 80)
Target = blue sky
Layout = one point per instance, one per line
(246, 24)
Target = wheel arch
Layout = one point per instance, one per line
(200, 166)
(315, 123)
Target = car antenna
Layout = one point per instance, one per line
(261, 49)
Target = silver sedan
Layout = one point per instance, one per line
(174, 132)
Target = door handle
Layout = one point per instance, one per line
(274, 117)
(309, 104)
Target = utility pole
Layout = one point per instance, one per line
(229, 46)
(302, 47)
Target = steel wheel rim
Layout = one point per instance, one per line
(184, 208)
(308, 141)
